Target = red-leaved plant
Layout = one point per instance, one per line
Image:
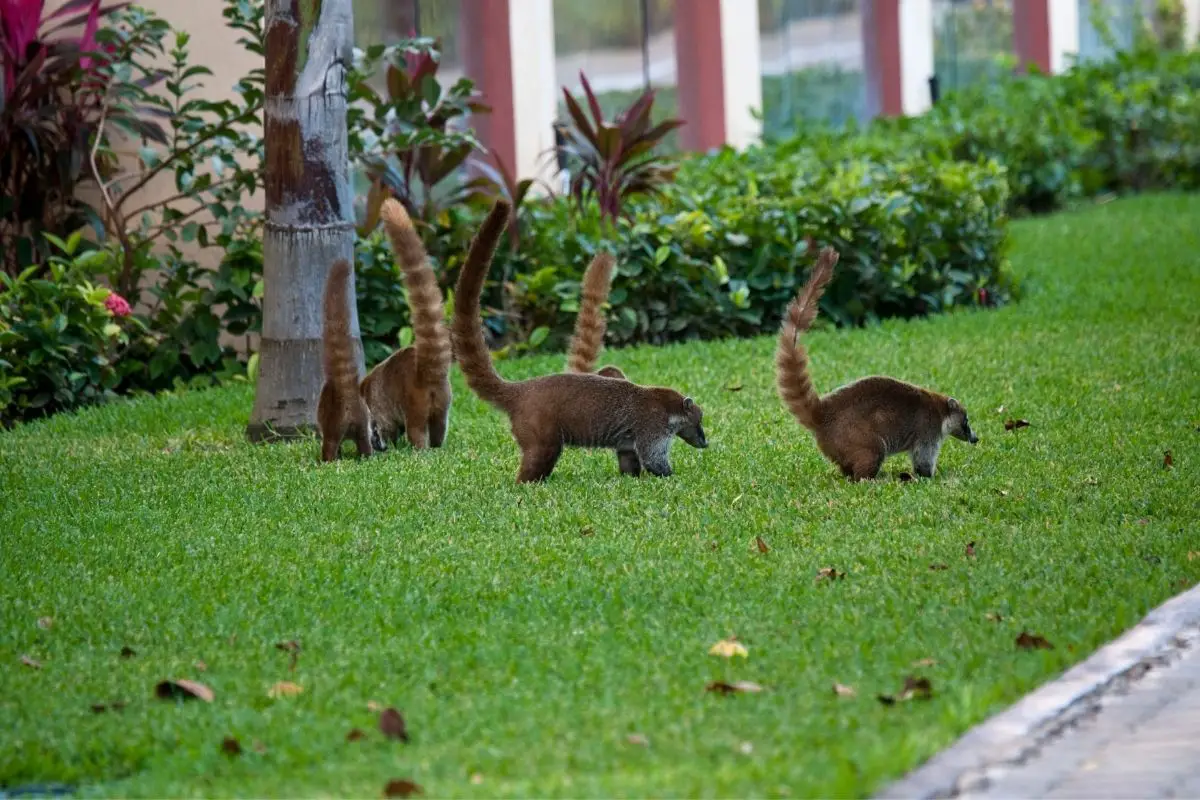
(614, 160)
(50, 108)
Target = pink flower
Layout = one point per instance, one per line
(117, 306)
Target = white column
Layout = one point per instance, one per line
(1193, 22)
(1064, 33)
(742, 71)
(535, 87)
(916, 55)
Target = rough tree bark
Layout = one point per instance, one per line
(309, 206)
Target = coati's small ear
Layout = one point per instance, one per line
(687, 402)
(953, 404)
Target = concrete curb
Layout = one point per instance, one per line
(1018, 732)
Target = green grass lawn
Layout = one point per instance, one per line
(526, 632)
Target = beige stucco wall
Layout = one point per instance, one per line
(214, 46)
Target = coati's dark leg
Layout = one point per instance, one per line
(864, 465)
(331, 443)
(654, 454)
(439, 424)
(924, 459)
(416, 423)
(362, 439)
(629, 462)
(538, 462)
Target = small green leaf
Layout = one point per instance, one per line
(538, 336)
(406, 336)
(661, 255)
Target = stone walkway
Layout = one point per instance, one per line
(1141, 741)
(1123, 724)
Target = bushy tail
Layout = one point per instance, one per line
(338, 361)
(791, 361)
(467, 329)
(588, 339)
(431, 339)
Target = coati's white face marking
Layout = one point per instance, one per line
(377, 442)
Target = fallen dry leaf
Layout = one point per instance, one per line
(402, 788)
(924, 662)
(45, 623)
(1029, 641)
(1143, 521)
(919, 688)
(970, 549)
(734, 387)
(259, 747)
(587, 530)
(476, 778)
(639, 739)
(1002, 492)
(738, 687)
(128, 652)
(761, 545)
(183, 690)
(285, 689)
(201, 666)
(745, 748)
(728, 648)
(374, 707)
(1168, 459)
(355, 734)
(100, 708)
(32, 662)
(938, 567)
(1015, 424)
(992, 616)
(1193, 555)
(391, 724)
(905, 477)
(231, 746)
(829, 573)
(841, 690)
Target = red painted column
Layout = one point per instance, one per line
(1031, 33)
(881, 57)
(699, 73)
(487, 60)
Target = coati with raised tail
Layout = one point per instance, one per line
(565, 409)
(862, 423)
(409, 392)
(341, 411)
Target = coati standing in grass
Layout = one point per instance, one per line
(341, 411)
(861, 424)
(566, 409)
(409, 392)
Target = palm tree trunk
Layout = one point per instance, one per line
(309, 207)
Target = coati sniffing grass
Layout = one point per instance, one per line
(409, 392)
(341, 411)
(565, 409)
(862, 423)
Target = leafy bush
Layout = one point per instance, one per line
(62, 337)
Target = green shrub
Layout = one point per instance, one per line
(62, 337)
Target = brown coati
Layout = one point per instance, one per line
(861, 424)
(341, 411)
(409, 392)
(566, 409)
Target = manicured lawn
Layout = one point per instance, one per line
(526, 631)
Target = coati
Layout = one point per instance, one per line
(566, 409)
(409, 392)
(861, 424)
(341, 411)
